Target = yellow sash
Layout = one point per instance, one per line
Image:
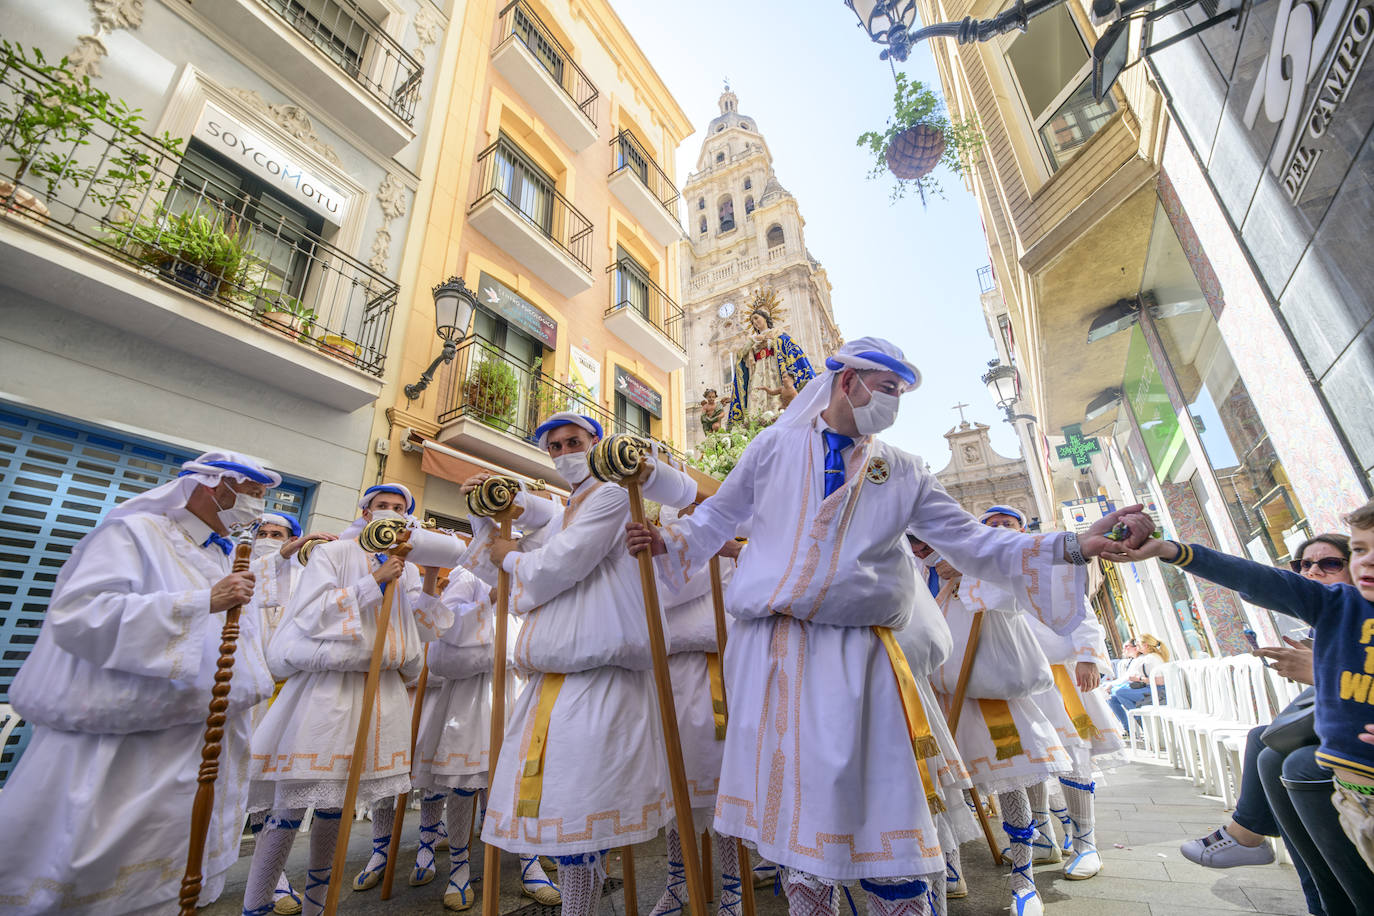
(276, 689)
(917, 725)
(717, 680)
(1001, 728)
(1073, 704)
(532, 777)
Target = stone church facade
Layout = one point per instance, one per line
(978, 477)
(745, 235)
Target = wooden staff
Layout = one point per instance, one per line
(403, 800)
(491, 853)
(746, 877)
(957, 708)
(667, 711)
(627, 874)
(203, 806)
(399, 549)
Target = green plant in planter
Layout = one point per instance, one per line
(203, 253)
(918, 137)
(720, 451)
(292, 315)
(492, 389)
(48, 112)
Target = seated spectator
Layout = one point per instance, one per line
(1342, 617)
(1134, 690)
(1241, 841)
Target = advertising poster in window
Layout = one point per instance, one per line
(499, 298)
(637, 392)
(584, 376)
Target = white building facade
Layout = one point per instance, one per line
(234, 287)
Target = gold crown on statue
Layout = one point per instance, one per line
(769, 301)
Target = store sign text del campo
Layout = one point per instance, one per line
(1293, 71)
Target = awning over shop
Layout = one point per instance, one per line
(438, 460)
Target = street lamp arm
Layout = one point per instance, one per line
(446, 356)
(967, 30)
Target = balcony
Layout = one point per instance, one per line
(519, 209)
(103, 221)
(492, 403)
(642, 315)
(543, 72)
(986, 281)
(342, 59)
(644, 189)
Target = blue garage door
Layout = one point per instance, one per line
(56, 481)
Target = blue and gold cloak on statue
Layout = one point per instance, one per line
(792, 362)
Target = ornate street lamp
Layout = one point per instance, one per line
(453, 307)
(1002, 383)
(889, 23)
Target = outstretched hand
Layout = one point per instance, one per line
(1130, 524)
(639, 537)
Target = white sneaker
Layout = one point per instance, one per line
(1083, 866)
(1221, 850)
(955, 885)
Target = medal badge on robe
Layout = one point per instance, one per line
(878, 471)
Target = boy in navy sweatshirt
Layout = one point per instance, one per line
(1343, 659)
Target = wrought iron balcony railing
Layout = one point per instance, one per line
(489, 385)
(518, 22)
(632, 289)
(630, 155)
(506, 173)
(81, 174)
(347, 35)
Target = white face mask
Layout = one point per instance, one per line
(244, 512)
(931, 561)
(573, 467)
(386, 513)
(264, 546)
(878, 414)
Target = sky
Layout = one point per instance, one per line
(809, 76)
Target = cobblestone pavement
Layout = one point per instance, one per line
(1145, 810)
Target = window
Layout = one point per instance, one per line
(727, 213)
(748, 205)
(524, 184)
(701, 203)
(631, 283)
(630, 417)
(703, 225)
(329, 27)
(748, 184)
(630, 155)
(775, 236)
(276, 230)
(720, 157)
(1052, 69)
(543, 50)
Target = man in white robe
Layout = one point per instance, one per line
(810, 774)
(323, 646)
(97, 815)
(277, 542)
(582, 766)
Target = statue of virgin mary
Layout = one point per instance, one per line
(770, 367)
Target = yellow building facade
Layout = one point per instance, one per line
(545, 187)
(1101, 298)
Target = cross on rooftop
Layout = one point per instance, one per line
(960, 408)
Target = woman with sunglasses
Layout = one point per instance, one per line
(1273, 801)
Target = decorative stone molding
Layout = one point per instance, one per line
(391, 198)
(428, 25)
(291, 119)
(108, 16)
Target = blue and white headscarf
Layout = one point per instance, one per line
(284, 520)
(1003, 510)
(863, 353)
(565, 418)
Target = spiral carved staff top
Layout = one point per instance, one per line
(381, 534)
(303, 555)
(617, 457)
(496, 495)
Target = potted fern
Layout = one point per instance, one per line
(201, 253)
(492, 389)
(918, 137)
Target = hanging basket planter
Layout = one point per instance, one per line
(915, 152)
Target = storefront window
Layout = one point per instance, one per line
(1258, 499)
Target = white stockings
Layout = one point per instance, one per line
(269, 858)
(1016, 821)
(324, 834)
(674, 898)
(581, 879)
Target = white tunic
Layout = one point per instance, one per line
(1085, 643)
(578, 591)
(454, 738)
(97, 814)
(275, 580)
(303, 748)
(813, 774)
